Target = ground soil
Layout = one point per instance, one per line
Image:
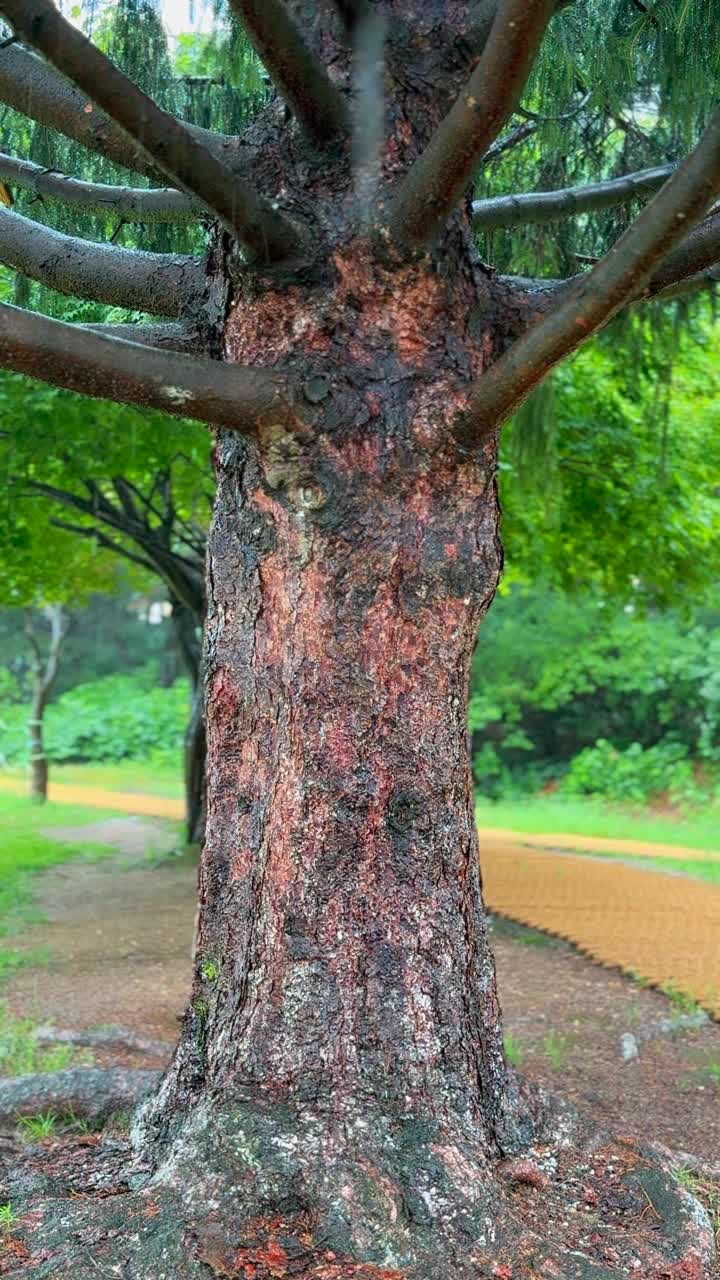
(120, 933)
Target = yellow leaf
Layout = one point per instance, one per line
(6, 196)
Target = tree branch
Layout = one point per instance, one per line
(92, 364)
(132, 204)
(616, 280)
(102, 539)
(165, 141)
(547, 206)
(296, 72)
(29, 85)
(168, 337)
(368, 113)
(698, 252)
(162, 283)
(352, 11)
(439, 177)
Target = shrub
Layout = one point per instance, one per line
(116, 718)
(633, 774)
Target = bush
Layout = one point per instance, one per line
(116, 718)
(637, 773)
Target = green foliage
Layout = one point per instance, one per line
(636, 773)
(636, 693)
(38, 1128)
(116, 718)
(21, 1053)
(609, 477)
(557, 1048)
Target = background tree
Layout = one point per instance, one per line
(341, 1061)
(44, 663)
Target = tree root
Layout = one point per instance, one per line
(109, 1038)
(258, 1190)
(92, 1093)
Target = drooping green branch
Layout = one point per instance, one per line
(547, 206)
(439, 177)
(72, 357)
(130, 204)
(164, 284)
(167, 143)
(619, 278)
(296, 72)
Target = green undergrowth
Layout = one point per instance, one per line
(20, 1053)
(544, 815)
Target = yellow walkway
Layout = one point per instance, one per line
(599, 844)
(663, 927)
(95, 798)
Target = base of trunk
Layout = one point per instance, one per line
(264, 1192)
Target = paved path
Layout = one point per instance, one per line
(96, 798)
(665, 928)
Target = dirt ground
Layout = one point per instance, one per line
(120, 934)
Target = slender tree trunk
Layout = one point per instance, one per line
(188, 624)
(44, 675)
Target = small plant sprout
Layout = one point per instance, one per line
(514, 1051)
(8, 1217)
(556, 1049)
(210, 970)
(38, 1128)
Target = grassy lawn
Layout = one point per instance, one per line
(539, 815)
(23, 851)
(144, 777)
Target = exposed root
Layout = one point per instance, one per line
(92, 1093)
(267, 1192)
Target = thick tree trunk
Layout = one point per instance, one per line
(344, 1005)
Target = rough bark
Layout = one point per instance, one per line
(339, 1107)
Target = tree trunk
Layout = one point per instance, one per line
(344, 1002)
(188, 624)
(44, 675)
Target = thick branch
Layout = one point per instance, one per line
(296, 72)
(546, 206)
(167, 143)
(168, 337)
(131, 204)
(351, 11)
(29, 85)
(161, 283)
(92, 364)
(697, 253)
(616, 280)
(439, 177)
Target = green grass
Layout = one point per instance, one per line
(144, 777)
(556, 1048)
(513, 1049)
(24, 850)
(20, 1053)
(587, 816)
